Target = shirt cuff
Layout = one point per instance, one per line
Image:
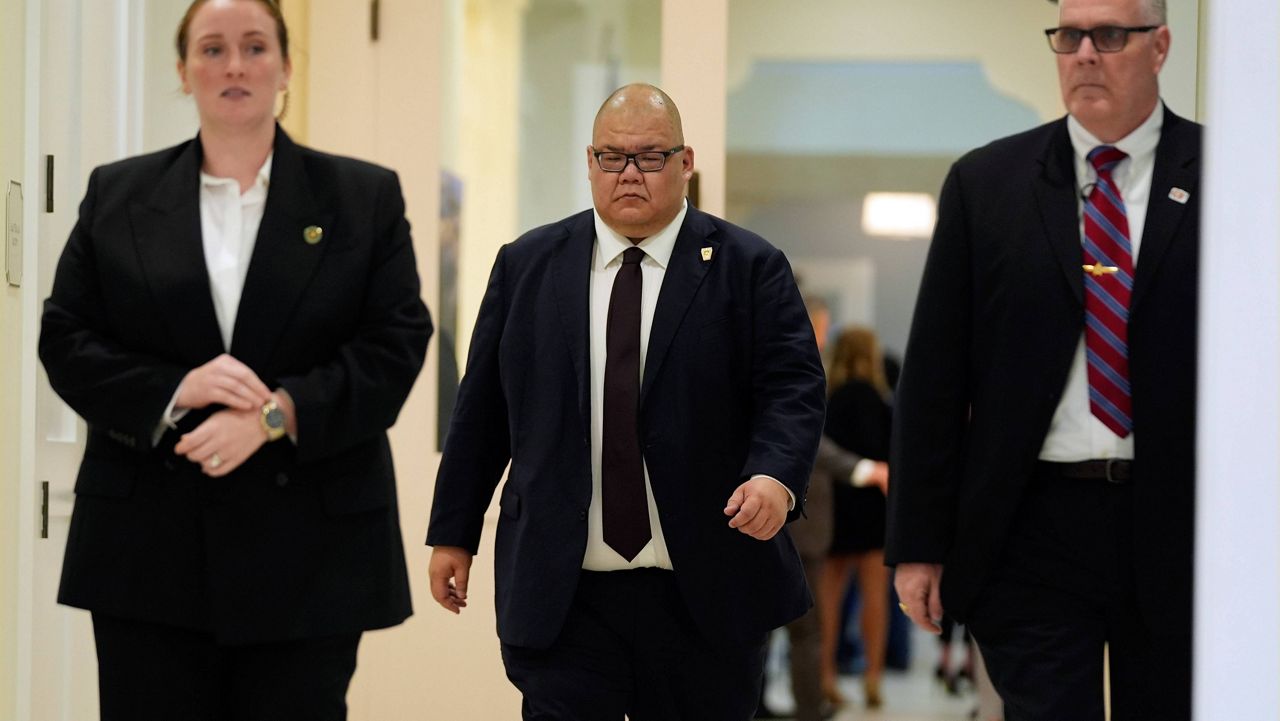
(861, 476)
(791, 505)
(169, 419)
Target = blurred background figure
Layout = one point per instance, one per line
(946, 671)
(858, 420)
(812, 535)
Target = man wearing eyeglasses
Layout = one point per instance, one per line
(1044, 442)
(651, 374)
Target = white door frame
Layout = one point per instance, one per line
(83, 98)
(1237, 628)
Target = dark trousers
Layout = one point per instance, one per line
(806, 651)
(1063, 589)
(630, 647)
(148, 672)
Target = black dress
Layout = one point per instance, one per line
(858, 419)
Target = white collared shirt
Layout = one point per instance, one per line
(229, 221)
(1075, 434)
(606, 259)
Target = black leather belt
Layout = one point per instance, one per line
(1111, 470)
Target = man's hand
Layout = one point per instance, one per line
(917, 585)
(450, 567)
(758, 508)
(224, 441)
(224, 381)
(879, 477)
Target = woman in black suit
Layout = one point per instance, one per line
(238, 321)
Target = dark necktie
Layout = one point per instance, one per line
(1108, 281)
(625, 507)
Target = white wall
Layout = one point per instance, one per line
(1237, 627)
(168, 116)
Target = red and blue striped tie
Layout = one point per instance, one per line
(1108, 281)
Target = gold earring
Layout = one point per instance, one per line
(284, 106)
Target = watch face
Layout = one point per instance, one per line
(274, 418)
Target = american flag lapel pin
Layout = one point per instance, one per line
(1178, 195)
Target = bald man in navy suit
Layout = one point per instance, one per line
(650, 372)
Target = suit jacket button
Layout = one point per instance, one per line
(282, 479)
(170, 464)
(582, 515)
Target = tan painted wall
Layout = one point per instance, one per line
(12, 105)
(695, 38)
(381, 101)
(297, 17)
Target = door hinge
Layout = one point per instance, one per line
(44, 509)
(48, 184)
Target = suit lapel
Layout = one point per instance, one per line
(1176, 157)
(571, 269)
(167, 238)
(1055, 192)
(283, 262)
(680, 283)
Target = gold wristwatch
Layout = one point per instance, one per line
(272, 419)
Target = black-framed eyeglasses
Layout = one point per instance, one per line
(650, 161)
(1105, 38)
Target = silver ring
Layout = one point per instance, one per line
(215, 460)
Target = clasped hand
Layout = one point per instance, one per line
(226, 439)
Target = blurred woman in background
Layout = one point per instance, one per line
(858, 419)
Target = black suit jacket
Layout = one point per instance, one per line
(732, 386)
(1000, 312)
(300, 541)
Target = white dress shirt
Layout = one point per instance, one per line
(229, 221)
(606, 259)
(1075, 434)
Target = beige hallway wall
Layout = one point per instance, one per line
(12, 107)
(381, 101)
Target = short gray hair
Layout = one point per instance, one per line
(1156, 11)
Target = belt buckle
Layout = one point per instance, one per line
(1111, 465)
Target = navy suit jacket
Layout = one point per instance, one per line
(300, 541)
(1000, 312)
(733, 386)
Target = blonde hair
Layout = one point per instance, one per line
(858, 357)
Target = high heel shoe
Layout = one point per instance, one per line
(872, 688)
(832, 694)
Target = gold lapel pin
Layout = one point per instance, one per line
(1098, 271)
(706, 254)
(313, 234)
(1178, 195)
